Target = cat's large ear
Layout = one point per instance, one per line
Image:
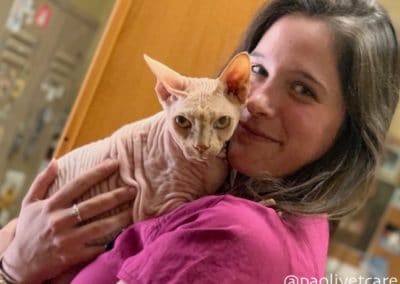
(236, 76)
(169, 82)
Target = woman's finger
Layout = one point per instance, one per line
(100, 204)
(41, 184)
(74, 189)
(104, 227)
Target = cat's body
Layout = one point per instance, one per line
(151, 162)
(173, 156)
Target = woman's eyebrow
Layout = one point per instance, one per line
(256, 54)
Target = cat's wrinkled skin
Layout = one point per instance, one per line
(175, 155)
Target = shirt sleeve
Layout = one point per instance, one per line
(223, 245)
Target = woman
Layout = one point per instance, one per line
(51, 241)
(325, 84)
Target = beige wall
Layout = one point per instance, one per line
(394, 131)
(96, 9)
(393, 7)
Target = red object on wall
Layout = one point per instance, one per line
(43, 15)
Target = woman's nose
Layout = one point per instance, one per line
(261, 104)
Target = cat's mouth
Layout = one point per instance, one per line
(192, 155)
(205, 155)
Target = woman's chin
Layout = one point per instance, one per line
(238, 160)
(251, 163)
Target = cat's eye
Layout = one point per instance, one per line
(222, 122)
(182, 121)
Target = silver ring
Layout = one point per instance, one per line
(76, 213)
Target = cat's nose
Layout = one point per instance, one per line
(201, 148)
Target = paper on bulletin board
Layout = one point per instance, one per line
(21, 12)
(43, 15)
(396, 198)
(19, 86)
(9, 192)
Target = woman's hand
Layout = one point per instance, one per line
(47, 239)
(7, 234)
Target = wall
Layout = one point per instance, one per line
(393, 7)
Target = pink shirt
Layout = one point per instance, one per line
(215, 239)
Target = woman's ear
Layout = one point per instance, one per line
(236, 76)
(170, 84)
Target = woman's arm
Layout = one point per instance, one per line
(47, 239)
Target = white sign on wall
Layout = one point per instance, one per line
(21, 12)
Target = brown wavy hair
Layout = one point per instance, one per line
(368, 65)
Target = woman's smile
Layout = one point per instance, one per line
(246, 131)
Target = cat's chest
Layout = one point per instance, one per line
(164, 165)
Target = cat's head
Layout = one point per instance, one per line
(202, 113)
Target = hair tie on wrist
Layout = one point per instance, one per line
(5, 278)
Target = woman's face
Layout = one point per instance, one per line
(295, 106)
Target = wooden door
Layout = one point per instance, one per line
(193, 37)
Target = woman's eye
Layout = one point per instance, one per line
(259, 70)
(222, 122)
(182, 121)
(303, 90)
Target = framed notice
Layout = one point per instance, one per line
(390, 168)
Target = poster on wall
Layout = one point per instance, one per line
(43, 15)
(390, 169)
(395, 202)
(21, 13)
(9, 192)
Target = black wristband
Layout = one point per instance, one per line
(5, 278)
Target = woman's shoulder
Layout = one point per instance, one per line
(227, 236)
(228, 210)
(298, 243)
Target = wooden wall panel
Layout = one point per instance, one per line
(193, 37)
